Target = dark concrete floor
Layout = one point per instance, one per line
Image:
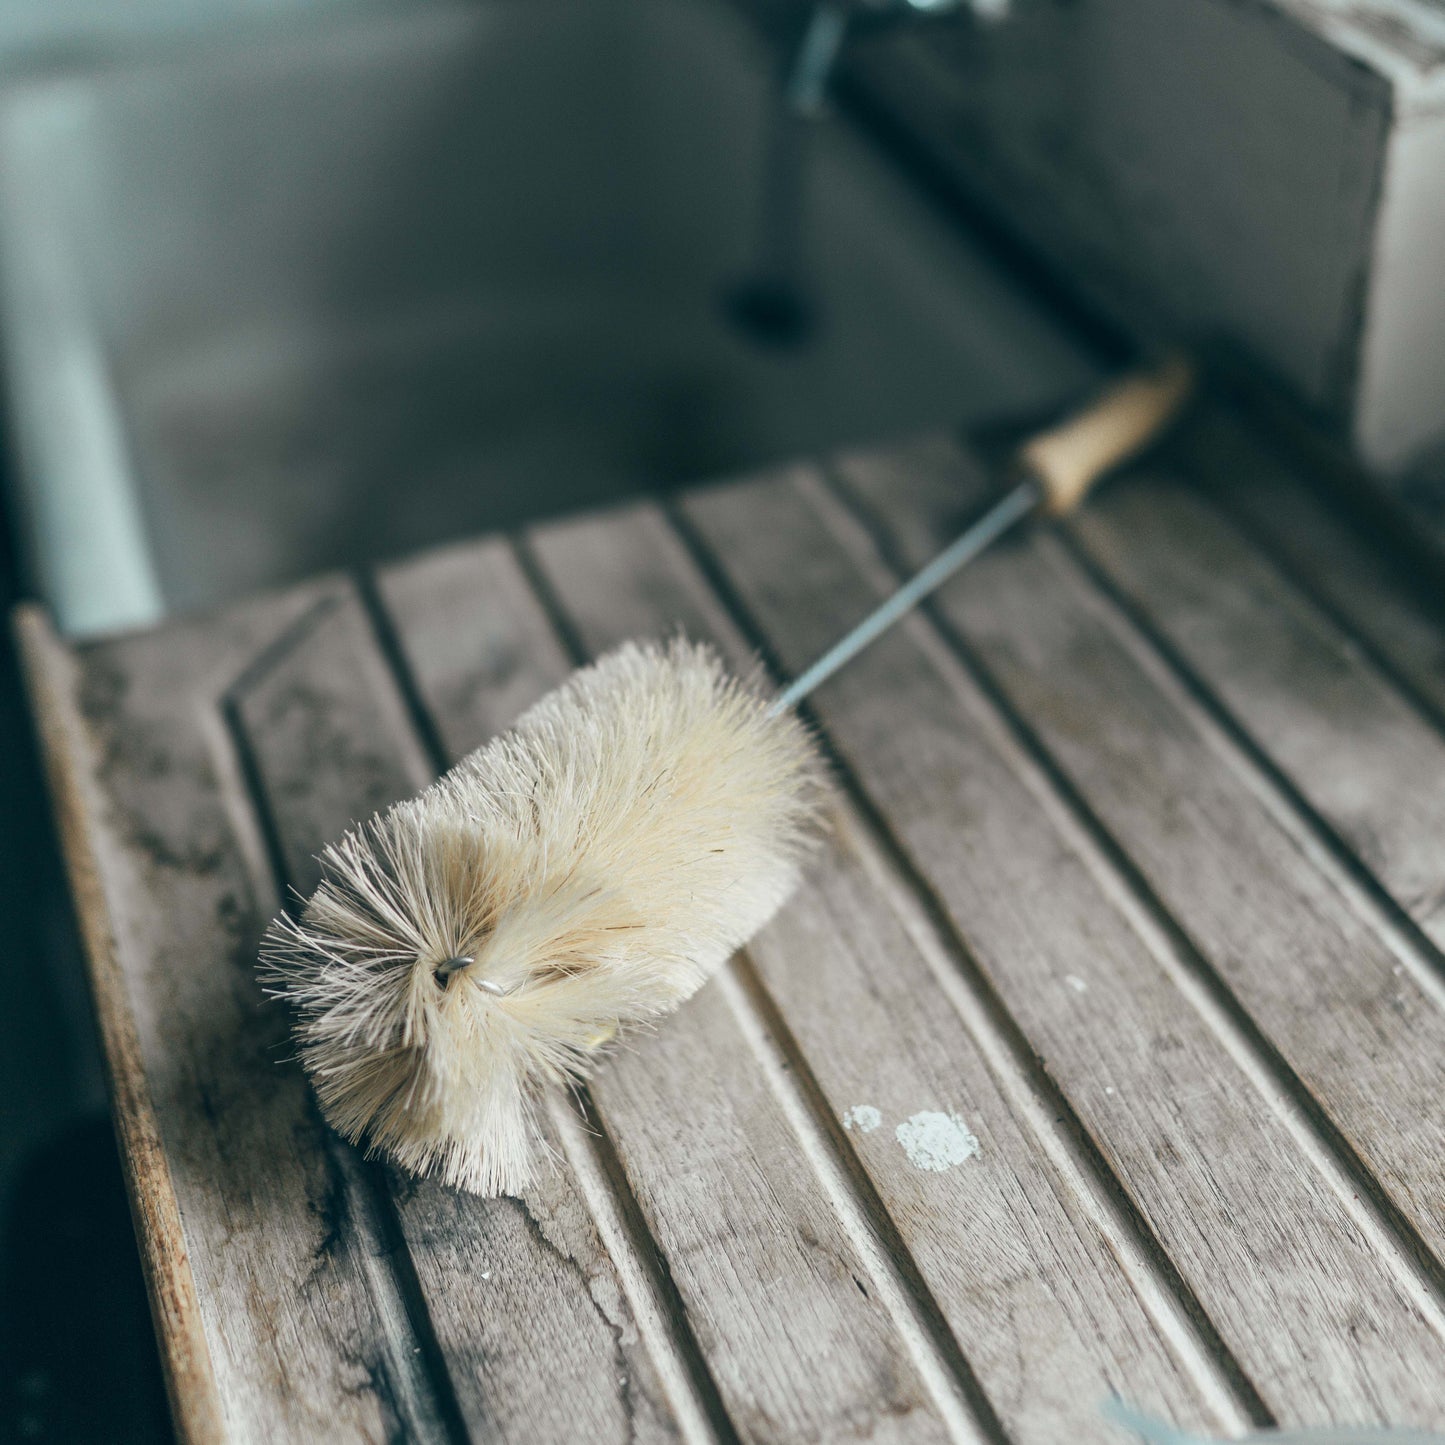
(77, 1355)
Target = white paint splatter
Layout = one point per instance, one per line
(1075, 982)
(936, 1141)
(862, 1117)
(1109, 1089)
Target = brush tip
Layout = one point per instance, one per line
(579, 875)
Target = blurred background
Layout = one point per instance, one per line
(288, 285)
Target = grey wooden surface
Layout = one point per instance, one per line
(1138, 868)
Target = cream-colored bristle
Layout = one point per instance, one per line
(587, 871)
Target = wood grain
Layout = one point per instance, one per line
(527, 1312)
(757, 1255)
(1390, 604)
(1243, 1216)
(1136, 870)
(1356, 751)
(1327, 1002)
(293, 1340)
(1028, 1283)
(190, 1381)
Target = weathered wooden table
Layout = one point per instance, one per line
(1140, 871)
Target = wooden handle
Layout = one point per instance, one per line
(1069, 458)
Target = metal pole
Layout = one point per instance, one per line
(1010, 509)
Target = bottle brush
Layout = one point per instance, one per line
(586, 871)
(589, 870)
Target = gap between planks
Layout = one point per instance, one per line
(657, 1308)
(936, 1354)
(1337, 516)
(423, 1397)
(941, 1364)
(1364, 1198)
(1169, 1300)
(1367, 897)
(411, 769)
(661, 1319)
(1369, 652)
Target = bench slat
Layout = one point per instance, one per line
(1321, 987)
(1208, 1161)
(1357, 752)
(1395, 606)
(295, 1344)
(1007, 1247)
(514, 1289)
(1136, 870)
(761, 1262)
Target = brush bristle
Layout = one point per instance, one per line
(598, 864)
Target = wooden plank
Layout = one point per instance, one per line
(292, 1340)
(768, 1275)
(1336, 1008)
(1326, 1329)
(190, 1381)
(527, 1310)
(1378, 597)
(1016, 1260)
(1361, 756)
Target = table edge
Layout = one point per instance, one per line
(47, 666)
